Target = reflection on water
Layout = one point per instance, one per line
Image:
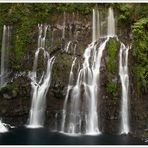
(42, 136)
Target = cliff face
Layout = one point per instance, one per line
(15, 98)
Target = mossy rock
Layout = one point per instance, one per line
(9, 87)
(112, 54)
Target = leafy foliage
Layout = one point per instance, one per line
(111, 88)
(140, 52)
(112, 47)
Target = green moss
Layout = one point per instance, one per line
(111, 65)
(22, 39)
(111, 88)
(9, 87)
(112, 47)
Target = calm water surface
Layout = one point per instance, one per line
(43, 136)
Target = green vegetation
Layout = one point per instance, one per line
(112, 47)
(9, 88)
(140, 53)
(124, 12)
(112, 67)
(134, 18)
(111, 88)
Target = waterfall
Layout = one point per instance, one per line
(70, 85)
(4, 56)
(111, 23)
(80, 111)
(123, 72)
(91, 75)
(95, 25)
(63, 30)
(67, 46)
(4, 71)
(98, 25)
(87, 82)
(40, 86)
(3, 128)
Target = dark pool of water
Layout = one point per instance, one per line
(42, 136)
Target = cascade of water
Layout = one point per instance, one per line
(123, 72)
(4, 65)
(98, 25)
(63, 30)
(87, 82)
(70, 85)
(40, 87)
(111, 23)
(67, 46)
(81, 115)
(92, 118)
(4, 56)
(95, 25)
(3, 128)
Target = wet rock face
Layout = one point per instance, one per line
(15, 102)
(15, 99)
